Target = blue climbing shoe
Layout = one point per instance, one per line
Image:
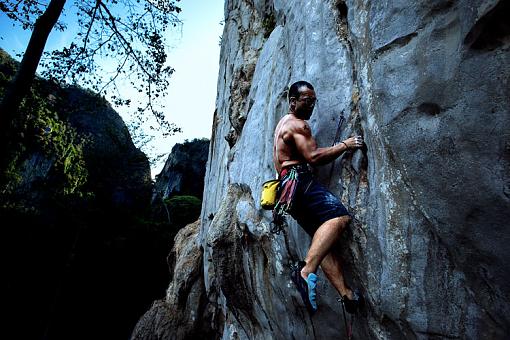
(312, 290)
(307, 288)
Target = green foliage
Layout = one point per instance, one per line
(42, 130)
(11, 173)
(60, 140)
(8, 67)
(183, 209)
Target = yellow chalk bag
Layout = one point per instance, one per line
(269, 191)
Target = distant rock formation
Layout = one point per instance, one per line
(426, 84)
(184, 170)
(182, 175)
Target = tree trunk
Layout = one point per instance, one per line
(20, 85)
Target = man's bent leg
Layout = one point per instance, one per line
(332, 267)
(322, 242)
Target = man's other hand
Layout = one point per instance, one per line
(355, 142)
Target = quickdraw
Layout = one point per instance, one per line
(284, 202)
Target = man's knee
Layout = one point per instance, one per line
(346, 219)
(339, 222)
(343, 221)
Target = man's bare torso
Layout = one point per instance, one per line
(285, 152)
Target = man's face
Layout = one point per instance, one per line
(305, 103)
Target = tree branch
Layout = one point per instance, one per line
(92, 19)
(116, 74)
(126, 43)
(20, 85)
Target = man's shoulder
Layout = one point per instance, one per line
(297, 125)
(293, 123)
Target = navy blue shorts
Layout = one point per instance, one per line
(313, 204)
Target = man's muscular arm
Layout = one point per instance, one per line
(307, 147)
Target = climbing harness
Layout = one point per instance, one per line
(289, 182)
(278, 224)
(280, 207)
(288, 189)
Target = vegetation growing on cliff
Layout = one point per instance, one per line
(40, 130)
(183, 210)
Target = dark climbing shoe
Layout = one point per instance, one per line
(353, 306)
(307, 288)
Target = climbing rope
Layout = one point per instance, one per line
(348, 327)
(335, 141)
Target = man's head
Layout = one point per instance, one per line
(302, 99)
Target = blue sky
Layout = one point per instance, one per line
(194, 54)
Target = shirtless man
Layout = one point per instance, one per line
(316, 209)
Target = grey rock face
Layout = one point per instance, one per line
(427, 85)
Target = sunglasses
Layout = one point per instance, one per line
(307, 100)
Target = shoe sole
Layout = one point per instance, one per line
(302, 287)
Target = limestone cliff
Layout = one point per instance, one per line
(427, 85)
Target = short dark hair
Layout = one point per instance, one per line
(294, 88)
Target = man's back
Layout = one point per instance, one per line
(285, 151)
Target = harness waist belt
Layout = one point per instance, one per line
(300, 168)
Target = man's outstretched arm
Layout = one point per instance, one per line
(314, 155)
